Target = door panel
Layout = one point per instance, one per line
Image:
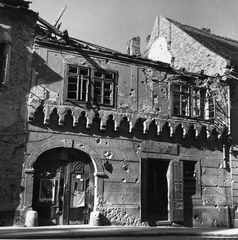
(177, 206)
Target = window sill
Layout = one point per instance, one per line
(88, 105)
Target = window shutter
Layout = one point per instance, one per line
(176, 195)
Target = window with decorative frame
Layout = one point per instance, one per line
(192, 102)
(95, 86)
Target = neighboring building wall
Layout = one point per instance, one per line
(17, 33)
(187, 52)
(135, 135)
(191, 55)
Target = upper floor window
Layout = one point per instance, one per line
(89, 85)
(190, 101)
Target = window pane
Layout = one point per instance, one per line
(176, 96)
(97, 92)
(190, 177)
(72, 95)
(72, 69)
(98, 74)
(196, 103)
(184, 89)
(84, 71)
(109, 75)
(72, 79)
(177, 87)
(196, 107)
(177, 108)
(185, 105)
(83, 89)
(72, 87)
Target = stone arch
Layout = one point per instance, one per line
(28, 173)
(66, 143)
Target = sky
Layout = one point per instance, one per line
(112, 23)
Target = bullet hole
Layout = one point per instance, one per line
(137, 180)
(158, 109)
(201, 222)
(125, 167)
(81, 146)
(196, 217)
(123, 180)
(108, 155)
(204, 189)
(142, 82)
(106, 143)
(217, 186)
(98, 141)
(215, 205)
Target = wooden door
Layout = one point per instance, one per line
(176, 191)
(78, 193)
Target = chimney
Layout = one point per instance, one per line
(133, 46)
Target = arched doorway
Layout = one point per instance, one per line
(63, 189)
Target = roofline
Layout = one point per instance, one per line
(201, 31)
(107, 54)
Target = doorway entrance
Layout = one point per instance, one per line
(157, 190)
(63, 189)
(162, 190)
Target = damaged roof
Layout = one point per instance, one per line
(47, 34)
(225, 47)
(16, 3)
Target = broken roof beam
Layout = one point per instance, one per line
(51, 28)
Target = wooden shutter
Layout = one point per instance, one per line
(176, 191)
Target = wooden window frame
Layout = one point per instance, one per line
(198, 194)
(198, 105)
(91, 88)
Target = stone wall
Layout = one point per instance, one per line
(13, 97)
(188, 53)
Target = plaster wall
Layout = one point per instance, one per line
(118, 134)
(17, 26)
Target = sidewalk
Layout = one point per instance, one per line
(86, 231)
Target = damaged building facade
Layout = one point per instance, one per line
(130, 138)
(196, 50)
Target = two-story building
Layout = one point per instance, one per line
(132, 138)
(200, 50)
